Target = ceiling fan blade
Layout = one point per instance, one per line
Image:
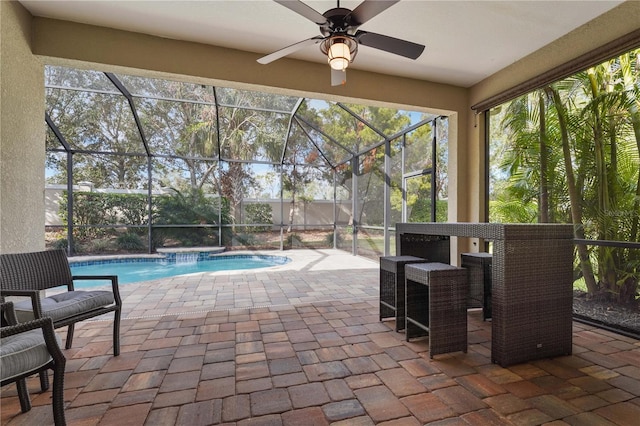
(368, 9)
(304, 10)
(338, 77)
(390, 44)
(290, 49)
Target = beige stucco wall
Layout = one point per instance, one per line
(22, 134)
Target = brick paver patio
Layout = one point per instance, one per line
(301, 344)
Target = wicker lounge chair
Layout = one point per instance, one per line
(29, 348)
(29, 274)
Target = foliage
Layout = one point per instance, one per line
(98, 122)
(570, 152)
(353, 135)
(234, 179)
(97, 208)
(293, 240)
(192, 207)
(133, 209)
(330, 237)
(247, 239)
(216, 141)
(130, 241)
(442, 210)
(258, 213)
(61, 243)
(100, 245)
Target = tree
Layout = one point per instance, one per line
(573, 149)
(354, 136)
(98, 122)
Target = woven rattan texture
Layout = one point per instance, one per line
(57, 363)
(434, 248)
(26, 274)
(532, 296)
(436, 304)
(531, 285)
(489, 231)
(478, 267)
(392, 287)
(21, 270)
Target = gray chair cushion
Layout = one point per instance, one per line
(23, 352)
(65, 305)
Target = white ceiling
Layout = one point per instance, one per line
(465, 41)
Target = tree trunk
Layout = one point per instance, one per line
(294, 184)
(544, 164)
(292, 211)
(574, 196)
(606, 265)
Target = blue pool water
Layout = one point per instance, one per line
(136, 270)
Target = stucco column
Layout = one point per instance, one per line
(22, 134)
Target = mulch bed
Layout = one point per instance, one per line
(613, 315)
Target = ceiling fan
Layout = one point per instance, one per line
(340, 35)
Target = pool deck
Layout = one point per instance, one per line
(302, 344)
(311, 276)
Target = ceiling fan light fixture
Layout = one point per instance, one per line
(340, 51)
(339, 56)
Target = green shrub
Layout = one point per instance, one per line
(97, 208)
(89, 208)
(133, 209)
(259, 213)
(248, 240)
(191, 207)
(130, 241)
(329, 239)
(62, 243)
(99, 246)
(293, 239)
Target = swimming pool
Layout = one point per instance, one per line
(144, 269)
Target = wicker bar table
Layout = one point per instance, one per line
(478, 267)
(532, 285)
(392, 287)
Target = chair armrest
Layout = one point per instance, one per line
(34, 295)
(95, 277)
(21, 327)
(8, 313)
(112, 278)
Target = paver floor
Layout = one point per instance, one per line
(301, 344)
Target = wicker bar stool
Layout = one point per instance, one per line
(436, 305)
(478, 266)
(392, 287)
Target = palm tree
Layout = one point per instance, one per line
(581, 137)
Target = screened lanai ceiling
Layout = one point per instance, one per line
(105, 113)
(466, 41)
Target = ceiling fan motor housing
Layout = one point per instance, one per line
(338, 22)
